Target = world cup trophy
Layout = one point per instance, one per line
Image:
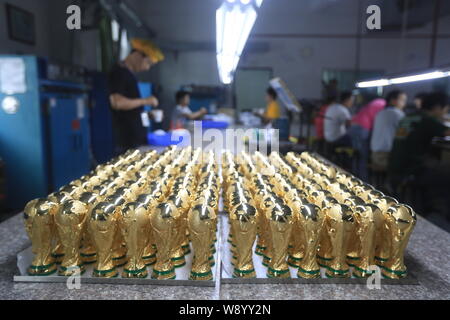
(280, 226)
(40, 226)
(384, 239)
(244, 222)
(87, 251)
(311, 222)
(70, 222)
(296, 251)
(368, 219)
(102, 228)
(163, 221)
(134, 223)
(201, 229)
(339, 224)
(401, 222)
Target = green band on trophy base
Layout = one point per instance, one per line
(162, 273)
(398, 273)
(337, 271)
(362, 270)
(381, 259)
(137, 272)
(323, 258)
(42, 267)
(308, 272)
(88, 255)
(43, 274)
(244, 271)
(103, 272)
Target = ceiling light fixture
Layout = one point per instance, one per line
(234, 22)
(407, 79)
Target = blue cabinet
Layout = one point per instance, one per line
(45, 142)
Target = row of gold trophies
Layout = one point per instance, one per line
(139, 209)
(305, 213)
(144, 209)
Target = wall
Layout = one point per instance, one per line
(40, 11)
(53, 39)
(331, 29)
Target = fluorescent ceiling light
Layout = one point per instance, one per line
(234, 22)
(407, 79)
(115, 30)
(420, 77)
(374, 83)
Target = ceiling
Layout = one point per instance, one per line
(190, 25)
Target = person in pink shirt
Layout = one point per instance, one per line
(362, 124)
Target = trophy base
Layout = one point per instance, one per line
(70, 271)
(178, 262)
(45, 270)
(238, 273)
(120, 261)
(186, 248)
(308, 274)
(163, 275)
(324, 261)
(149, 260)
(266, 261)
(111, 273)
(360, 272)
(335, 273)
(351, 260)
(58, 257)
(201, 276)
(259, 250)
(380, 261)
(283, 274)
(294, 261)
(393, 274)
(88, 258)
(140, 273)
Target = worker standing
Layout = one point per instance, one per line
(126, 102)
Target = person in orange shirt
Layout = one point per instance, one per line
(273, 110)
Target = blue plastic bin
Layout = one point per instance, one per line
(209, 124)
(162, 140)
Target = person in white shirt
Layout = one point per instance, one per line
(385, 127)
(337, 120)
(183, 113)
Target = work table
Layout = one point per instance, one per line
(427, 257)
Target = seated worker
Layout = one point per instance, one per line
(385, 126)
(126, 102)
(273, 109)
(319, 119)
(416, 104)
(337, 120)
(182, 113)
(362, 124)
(412, 153)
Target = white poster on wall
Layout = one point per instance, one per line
(12, 76)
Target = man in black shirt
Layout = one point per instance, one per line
(126, 102)
(413, 153)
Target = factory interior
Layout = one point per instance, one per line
(331, 105)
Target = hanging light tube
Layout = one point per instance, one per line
(234, 22)
(407, 79)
